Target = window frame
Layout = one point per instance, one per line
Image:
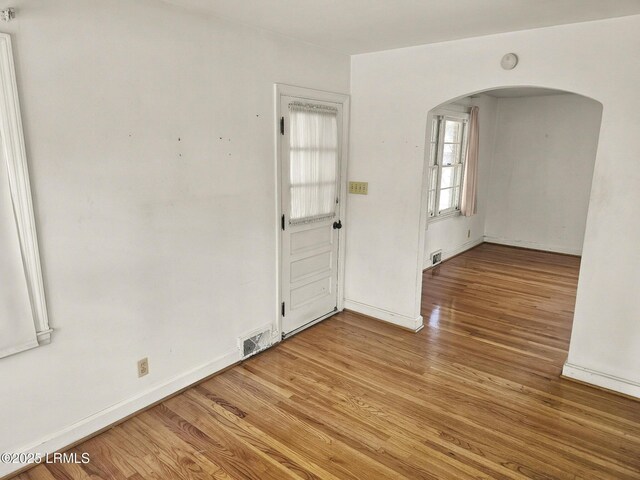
(435, 165)
(324, 108)
(14, 158)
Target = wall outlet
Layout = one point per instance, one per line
(359, 188)
(143, 367)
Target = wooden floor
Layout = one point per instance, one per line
(475, 394)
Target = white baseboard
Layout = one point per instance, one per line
(414, 324)
(603, 380)
(446, 254)
(100, 420)
(533, 245)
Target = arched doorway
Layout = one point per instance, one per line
(537, 149)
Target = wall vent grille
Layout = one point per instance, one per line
(255, 342)
(436, 257)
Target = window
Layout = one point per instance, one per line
(447, 150)
(23, 315)
(313, 162)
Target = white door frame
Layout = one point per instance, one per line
(282, 90)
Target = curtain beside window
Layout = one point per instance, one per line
(313, 161)
(469, 202)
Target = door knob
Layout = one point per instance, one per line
(337, 225)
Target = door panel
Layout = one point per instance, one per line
(303, 240)
(310, 292)
(310, 179)
(310, 265)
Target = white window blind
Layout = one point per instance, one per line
(17, 328)
(23, 312)
(313, 152)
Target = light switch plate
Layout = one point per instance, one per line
(359, 188)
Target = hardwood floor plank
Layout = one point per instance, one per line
(301, 435)
(222, 449)
(68, 471)
(178, 455)
(351, 424)
(359, 416)
(505, 410)
(205, 403)
(476, 394)
(37, 473)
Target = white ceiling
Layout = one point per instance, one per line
(358, 26)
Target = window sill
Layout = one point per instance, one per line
(44, 337)
(445, 216)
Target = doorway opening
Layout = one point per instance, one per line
(536, 150)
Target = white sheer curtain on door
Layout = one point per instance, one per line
(313, 162)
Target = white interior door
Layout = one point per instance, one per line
(311, 152)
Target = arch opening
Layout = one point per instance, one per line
(536, 156)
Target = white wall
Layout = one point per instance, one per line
(541, 172)
(454, 235)
(391, 93)
(150, 137)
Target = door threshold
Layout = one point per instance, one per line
(310, 324)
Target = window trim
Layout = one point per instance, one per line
(15, 157)
(458, 116)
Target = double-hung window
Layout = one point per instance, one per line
(447, 142)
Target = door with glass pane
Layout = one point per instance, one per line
(310, 196)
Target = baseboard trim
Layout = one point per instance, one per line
(449, 254)
(601, 380)
(408, 323)
(100, 421)
(533, 246)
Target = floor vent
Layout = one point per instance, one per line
(436, 257)
(255, 342)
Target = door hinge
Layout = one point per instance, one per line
(282, 222)
(283, 309)
(281, 125)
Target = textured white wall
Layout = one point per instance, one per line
(392, 92)
(541, 172)
(150, 137)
